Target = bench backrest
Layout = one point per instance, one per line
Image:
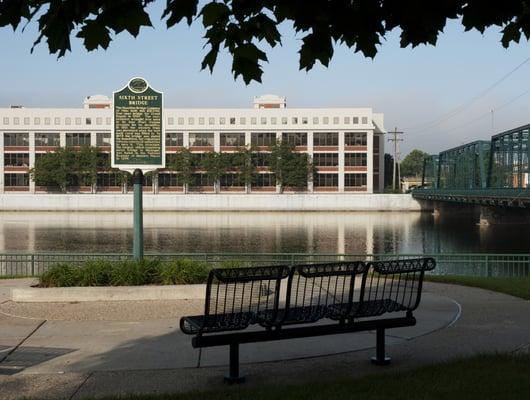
(318, 291)
(394, 285)
(237, 297)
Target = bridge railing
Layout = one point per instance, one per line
(501, 192)
(472, 264)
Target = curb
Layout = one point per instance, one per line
(122, 293)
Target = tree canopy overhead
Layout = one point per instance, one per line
(245, 27)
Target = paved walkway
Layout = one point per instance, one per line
(65, 359)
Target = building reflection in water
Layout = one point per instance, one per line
(309, 232)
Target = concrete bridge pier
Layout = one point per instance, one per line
(495, 215)
(448, 210)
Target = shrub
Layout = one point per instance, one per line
(184, 271)
(60, 275)
(94, 273)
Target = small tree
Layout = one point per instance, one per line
(86, 166)
(54, 169)
(215, 164)
(242, 160)
(291, 169)
(182, 163)
(412, 164)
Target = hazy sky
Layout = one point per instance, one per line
(412, 87)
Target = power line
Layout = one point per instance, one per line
(457, 110)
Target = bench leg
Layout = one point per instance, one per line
(380, 358)
(234, 377)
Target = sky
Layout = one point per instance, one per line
(415, 88)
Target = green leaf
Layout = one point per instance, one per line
(176, 10)
(213, 13)
(95, 35)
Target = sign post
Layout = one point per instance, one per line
(138, 143)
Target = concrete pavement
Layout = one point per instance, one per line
(78, 359)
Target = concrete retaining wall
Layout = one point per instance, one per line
(210, 202)
(169, 292)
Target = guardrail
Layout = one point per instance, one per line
(471, 264)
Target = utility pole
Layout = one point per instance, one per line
(396, 141)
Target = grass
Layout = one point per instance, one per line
(478, 378)
(518, 287)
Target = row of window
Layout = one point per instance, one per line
(53, 139)
(192, 120)
(58, 121)
(227, 180)
(196, 139)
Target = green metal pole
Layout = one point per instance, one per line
(138, 216)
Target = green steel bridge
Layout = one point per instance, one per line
(487, 173)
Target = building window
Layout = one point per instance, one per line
(304, 120)
(222, 121)
(57, 121)
(26, 120)
(16, 159)
(346, 120)
(274, 120)
(263, 138)
(242, 121)
(355, 120)
(355, 159)
(77, 139)
(180, 120)
(264, 180)
(261, 159)
(170, 121)
(263, 120)
(201, 139)
(364, 120)
(232, 139)
(174, 139)
(47, 121)
(211, 121)
(16, 121)
(336, 120)
(355, 138)
(36, 121)
(326, 159)
(354, 180)
(376, 143)
(107, 121)
(11, 180)
(88, 121)
(108, 179)
(232, 120)
(315, 120)
(201, 121)
(16, 139)
(325, 139)
(78, 121)
(325, 120)
(169, 179)
(191, 121)
(68, 121)
(103, 139)
(47, 139)
(295, 138)
(6, 121)
(284, 120)
(230, 180)
(99, 121)
(202, 180)
(326, 180)
(253, 121)
(294, 120)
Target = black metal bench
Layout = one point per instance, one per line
(285, 302)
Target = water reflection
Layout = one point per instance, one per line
(311, 232)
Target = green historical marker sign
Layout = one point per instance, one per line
(138, 129)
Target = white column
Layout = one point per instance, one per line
(310, 153)
(186, 139)
(341, 162)
(381, 163)
(248, 139)
(1, 162)
(217, 142)
(370, 161)
(93, 139)
(62, 139)
(31, 159)
(278, 137)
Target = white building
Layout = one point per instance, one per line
(345, 144)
